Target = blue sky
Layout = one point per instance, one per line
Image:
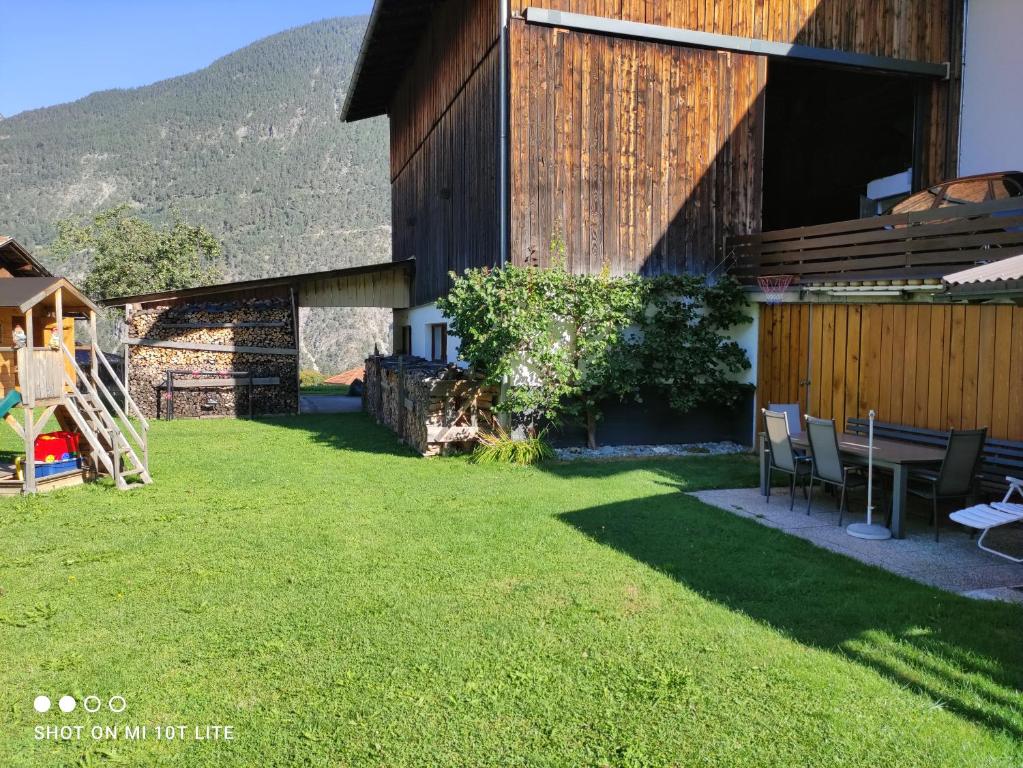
(60, 50)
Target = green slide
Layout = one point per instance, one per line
(12, 399)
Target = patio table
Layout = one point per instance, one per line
(896, 456)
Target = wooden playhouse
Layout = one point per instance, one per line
(45, 374)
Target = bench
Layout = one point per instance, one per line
(998, 459)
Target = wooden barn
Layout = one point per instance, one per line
(645, 135)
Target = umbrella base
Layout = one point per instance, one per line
(868, 531)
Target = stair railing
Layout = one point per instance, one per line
(129, 405)
(115, 437)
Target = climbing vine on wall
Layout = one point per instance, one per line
(560, 344)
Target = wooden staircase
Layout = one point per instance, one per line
(116, 447)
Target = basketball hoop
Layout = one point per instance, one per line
(774, 286)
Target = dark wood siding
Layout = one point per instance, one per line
(641, 156)
(445, 207)
(909, 29)
(444, 149)
(460, 36)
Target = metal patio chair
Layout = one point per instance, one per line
(827, 463)
(792, 413)
(783, 457)
(957, 478)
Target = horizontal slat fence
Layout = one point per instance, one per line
(937, 366)
(911, 245)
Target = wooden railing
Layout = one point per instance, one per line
(43, 370)
(92, 388)
(923, 244)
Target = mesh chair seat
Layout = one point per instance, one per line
(828, 466)
(783, 457)
(957, 478)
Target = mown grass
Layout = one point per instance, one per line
(340, 390)
(341, 602)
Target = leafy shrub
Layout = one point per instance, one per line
(498, 447)
(560, 344)
(310, 378)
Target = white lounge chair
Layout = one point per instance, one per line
(984, 517)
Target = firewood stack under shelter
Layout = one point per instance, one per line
(434, 408)
(213, 350)
(219, 342)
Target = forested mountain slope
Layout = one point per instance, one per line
(250, 147)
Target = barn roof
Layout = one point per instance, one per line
(388, 48)
(286, 281)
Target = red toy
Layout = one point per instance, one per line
(56, 446)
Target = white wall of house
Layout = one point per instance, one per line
(992, 104)
(421, 318)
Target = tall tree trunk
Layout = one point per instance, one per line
(591, 427)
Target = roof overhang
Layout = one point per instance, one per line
(391, 41)
(299, 283)
(19, 261)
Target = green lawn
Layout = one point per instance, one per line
(325, 389)
(340, 602)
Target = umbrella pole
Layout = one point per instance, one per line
(868, 530)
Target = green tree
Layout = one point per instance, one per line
(128, 255)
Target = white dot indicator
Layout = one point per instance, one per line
(67, 703)
(41, 704)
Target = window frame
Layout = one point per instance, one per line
(443, 328)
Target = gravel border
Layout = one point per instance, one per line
(650, 451)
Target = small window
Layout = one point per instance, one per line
(439, 342)
(405, 343)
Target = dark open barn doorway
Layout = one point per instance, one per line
(828, 133)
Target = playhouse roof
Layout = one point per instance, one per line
(22, 293)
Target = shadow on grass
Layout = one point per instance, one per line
(963, 654)
(360, 433)
(355, 432)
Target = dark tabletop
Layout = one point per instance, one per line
(885, 451)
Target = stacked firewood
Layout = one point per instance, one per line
(433, 408)
(261, 324)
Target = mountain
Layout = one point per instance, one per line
(251, 147)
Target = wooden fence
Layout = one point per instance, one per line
(934, 366)
(923, 244)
